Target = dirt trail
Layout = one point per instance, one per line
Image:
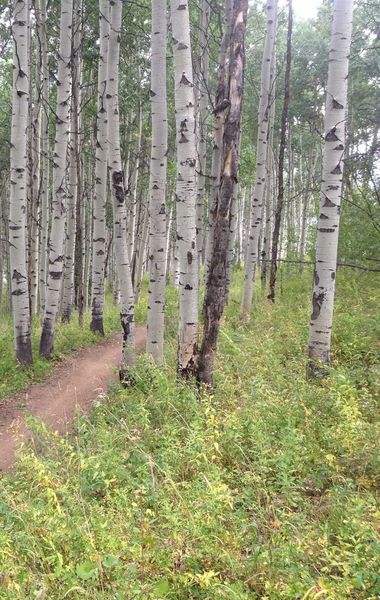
(75, 382)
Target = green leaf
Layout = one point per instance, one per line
(162, 588)
(110, 561)
(87, 570)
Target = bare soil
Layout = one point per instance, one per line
(75, 383)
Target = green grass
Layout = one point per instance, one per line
(267, 489)
(69, 337)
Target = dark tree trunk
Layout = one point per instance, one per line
(281, 158)
(216, 284)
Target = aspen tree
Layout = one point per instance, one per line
(221, 104)
(270, 186)
(202, 124)
(68, 273)
(261, 160)
(216, 284)
(185, 188)
(157, 207)
(40, 9)
(100, 196)
(18, 184)
(56, 245)
(319, 346)
(133, 190)
(34, 171)
(277, 231)
(127, 316)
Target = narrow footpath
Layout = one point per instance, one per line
(74, 383)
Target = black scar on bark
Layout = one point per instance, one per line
(117, 184)
(184, 80)
(337, 170)
(17, 276)
(333, 275)
(326, 230)
(318, 300)
(316, 278)
(336, 104)
(328, 203)
(331, 137)
(189, 258)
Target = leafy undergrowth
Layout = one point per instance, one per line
(267, 489)
(69, 337)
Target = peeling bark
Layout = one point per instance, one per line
(216, 285)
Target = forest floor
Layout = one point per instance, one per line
(266, 489)
(72, 387)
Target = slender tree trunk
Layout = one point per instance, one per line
(270, 188)
(281, 158)
(127, 309)
(68, 274)
(100, 199)
(219, 115)
(169, 237)
(40, 7)
(261, 157)
(133, 191)
(305, 206)
(216, 285)
(18, 180)
(185, 188)
(34, 188)
(56, 250)
(157, 209)
(139, 254)
(331, 190)
(76, 120)
(203, 114)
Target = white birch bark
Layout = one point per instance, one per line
(56, 244)
(132, 192)
(118, 195)
(185, 188)
(270, 186)
(100, 196)
(40, 8)
(158, 164)
(68, 273)
(261, 156)
(35, 151)
(18, 184)
(331, 189)
(139, 253)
